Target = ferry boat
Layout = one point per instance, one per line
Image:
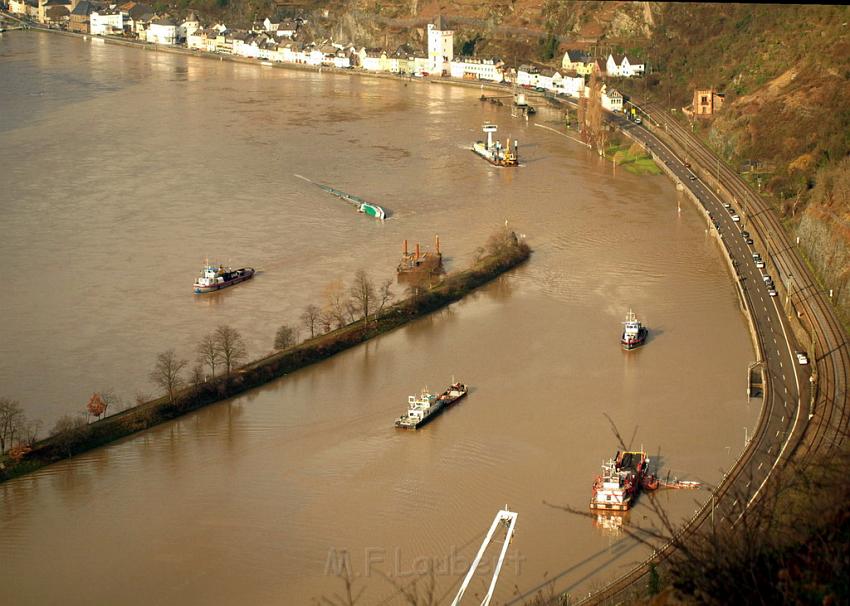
(214, 278)
(621, 480)
(493, 152)
(426, 406)
(634, 334)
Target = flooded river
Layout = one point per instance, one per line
(123, 170)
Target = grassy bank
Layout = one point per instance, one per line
(633, 158)
(455, 286)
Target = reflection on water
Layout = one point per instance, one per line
(243, 502)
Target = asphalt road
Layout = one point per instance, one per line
(787, 407)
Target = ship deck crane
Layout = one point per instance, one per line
(506, 519)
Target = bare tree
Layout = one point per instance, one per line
(197, 377)
(67, 431)
(29, 435)
(208, 352)
(385, 295)
(326, 321)
(230, 346)
(363, 293)
(166, 373)
(335, 303)
(11, 421)
(286, 337)
(311, 317)
(110, 400)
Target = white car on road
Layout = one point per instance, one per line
(736, 218)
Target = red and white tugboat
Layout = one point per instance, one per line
(634, 333)
(621, 480)
(214, 278)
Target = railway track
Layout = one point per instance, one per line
(827, 429)
(824, 420)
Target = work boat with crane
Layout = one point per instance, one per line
(494, 152)
(621, 480)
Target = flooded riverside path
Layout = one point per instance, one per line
(124, 169)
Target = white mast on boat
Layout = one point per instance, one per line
(505, 518)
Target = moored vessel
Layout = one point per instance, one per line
(426, 406)
(621, 480)
(494, 152)
(214, 278)
(634, 333)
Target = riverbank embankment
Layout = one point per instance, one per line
(511, 253)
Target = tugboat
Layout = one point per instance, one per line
(634, 334)
(621, 480)
(214, 278)
(426, 406)
(493, 152)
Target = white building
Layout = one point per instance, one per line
(189, 26)
(440, 47)
(630, 70)
(106, 21)
(18, 7)
(621, 67)
(477, 69)
(163, 30)
(527, 75)
(612, 100)
(571, 86)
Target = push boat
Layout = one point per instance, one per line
(634, 333)
(621, 480)
(214, 278)
(493, 152)
(426, 406)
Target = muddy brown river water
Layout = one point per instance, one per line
(123, 170)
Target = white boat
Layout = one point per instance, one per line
(214, 278)
(634, 334)
(426, 406)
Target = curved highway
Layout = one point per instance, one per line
(805, 409)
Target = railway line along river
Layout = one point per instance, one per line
(124, 170)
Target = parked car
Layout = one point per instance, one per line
(771, 292)
(736, 218)
(727, 205)
(767, 278)
(745, 233)
(749, 241)
(802, 358)
(760, 264)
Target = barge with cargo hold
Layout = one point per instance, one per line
(214, 278)
(421, 409)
